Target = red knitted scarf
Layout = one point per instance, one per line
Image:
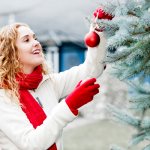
(31, 108)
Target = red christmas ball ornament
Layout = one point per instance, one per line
(92, 39)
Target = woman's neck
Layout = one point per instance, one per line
(28, 70)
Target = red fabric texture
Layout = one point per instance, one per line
(31, 108)
(101, 14)
(82, 94)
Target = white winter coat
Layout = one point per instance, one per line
(17, 133)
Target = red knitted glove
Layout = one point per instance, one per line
(101, 14)
(82, 94)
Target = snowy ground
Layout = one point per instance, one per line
(83, 134)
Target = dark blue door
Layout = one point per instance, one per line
(70, 55)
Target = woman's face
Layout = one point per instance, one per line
(30, 50)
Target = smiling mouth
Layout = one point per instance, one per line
(35, 52)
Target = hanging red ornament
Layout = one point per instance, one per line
(92, 39)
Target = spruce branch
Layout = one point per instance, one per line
(128, 51)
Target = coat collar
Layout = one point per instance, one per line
(45, 77)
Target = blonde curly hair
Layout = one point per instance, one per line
(9, 60)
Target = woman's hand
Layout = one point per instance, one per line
(82, 94)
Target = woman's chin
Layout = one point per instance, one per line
(38, 62)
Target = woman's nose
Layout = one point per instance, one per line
(36, 43)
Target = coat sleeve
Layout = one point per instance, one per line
(93, 66)
(15, 125)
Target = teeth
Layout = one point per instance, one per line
(36, 52)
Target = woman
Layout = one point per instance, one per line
(32, 116)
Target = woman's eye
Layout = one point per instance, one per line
(26, 40)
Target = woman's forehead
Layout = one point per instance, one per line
(23, 31)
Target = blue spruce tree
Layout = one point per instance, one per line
(128, 51)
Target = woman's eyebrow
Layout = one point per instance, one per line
(27, 35)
